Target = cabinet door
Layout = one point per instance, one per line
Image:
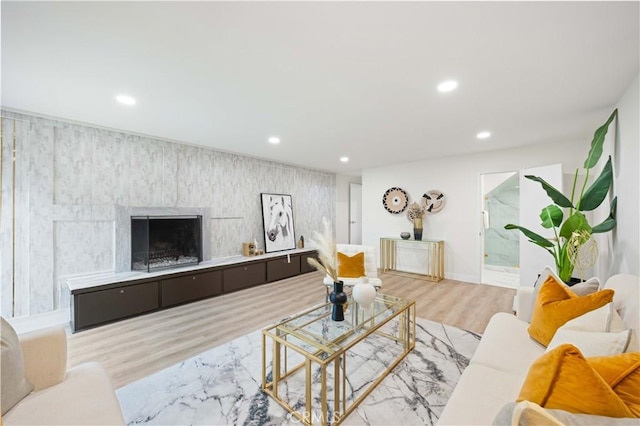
(104, 306)
(278, 269)
(191, 287)
(244, 276)
(304, 264)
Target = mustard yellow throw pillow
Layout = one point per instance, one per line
(351, 266)
(622, 373)
(564, 380)
(556, 304)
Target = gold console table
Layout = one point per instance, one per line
(435, 252)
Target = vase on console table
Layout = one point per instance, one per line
(417, 229)
(338, 298)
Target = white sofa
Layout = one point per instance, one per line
(500, 365)
(82, 395)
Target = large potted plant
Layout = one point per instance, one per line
(574, 228)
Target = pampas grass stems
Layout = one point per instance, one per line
(326, 247)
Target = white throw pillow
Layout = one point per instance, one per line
(581, 289)
(527, 413)
(586, 287)
(592, 343)
(596, 333)
(596, 320)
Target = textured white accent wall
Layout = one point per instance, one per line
(71, 179)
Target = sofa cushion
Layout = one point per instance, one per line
(563, 379)
(592, 333)
(556, 304)
(581, 289)
(595, 320)
(351, 266)
(86, 397)
(506, 346)
(14, 385)
(479, 395)
(592, 343)
(627, 304)
(350, 282)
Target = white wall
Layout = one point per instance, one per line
(626, 236)
(342, 206)
(458, 224)
(491, 181)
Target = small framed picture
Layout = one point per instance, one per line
(277, 220)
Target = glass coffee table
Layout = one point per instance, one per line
(321, 370)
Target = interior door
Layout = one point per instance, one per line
(532, 199)
(355, 213)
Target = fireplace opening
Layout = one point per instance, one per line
(160, 242)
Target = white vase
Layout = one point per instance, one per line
(364, 293)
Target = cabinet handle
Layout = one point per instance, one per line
(121, 291)
(245, 268)
(194, 277)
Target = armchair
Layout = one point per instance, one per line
(82, 395)
(370, 266)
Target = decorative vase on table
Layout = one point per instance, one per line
(338, 297)
(364, 293)
(417, 229)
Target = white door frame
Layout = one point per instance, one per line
(355, 213)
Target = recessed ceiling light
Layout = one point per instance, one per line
(447, 86)
(274, 140)
(344, 159)
(126, 99)
(483, 135)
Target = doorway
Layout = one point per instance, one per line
(501, 248)
(355, 213)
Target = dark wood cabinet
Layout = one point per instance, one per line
(190, 287)
(281, 268)
(244, 276)
(104, 306)
(304, 264)
(115, 300)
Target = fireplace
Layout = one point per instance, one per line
(161, 242)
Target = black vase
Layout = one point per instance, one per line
(338, 297)
(417, 229)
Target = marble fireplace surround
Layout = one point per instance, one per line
(123, 229)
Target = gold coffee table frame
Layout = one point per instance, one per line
(328, 350)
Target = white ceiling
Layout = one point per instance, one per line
(331, 79)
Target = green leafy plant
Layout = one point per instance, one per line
(553, 216)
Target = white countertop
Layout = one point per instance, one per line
(84, 281)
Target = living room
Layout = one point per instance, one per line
(330, 80)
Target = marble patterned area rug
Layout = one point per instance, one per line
(222, 386)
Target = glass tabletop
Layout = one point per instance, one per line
(313, 331)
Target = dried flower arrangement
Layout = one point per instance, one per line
(327, 253)
(415, 211)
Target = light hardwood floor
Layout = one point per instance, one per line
(140, 346)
